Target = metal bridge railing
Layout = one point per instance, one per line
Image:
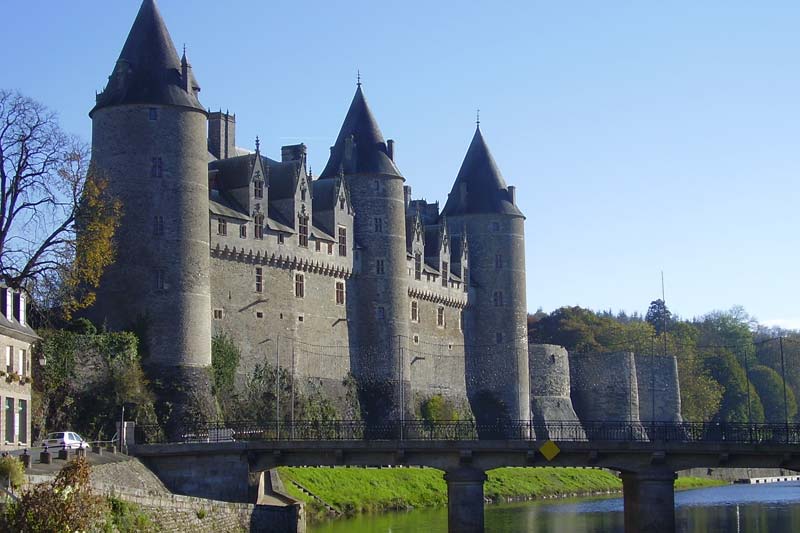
(420, 430)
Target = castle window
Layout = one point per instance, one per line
(258, 220)
(498, 337)
(498, 261)
(217, 314)
(299, 286)
(378, 225)
(160, 284)
(381, 313)
(258, 189)
(158, 226)
(417, 266)
(303, 194)
(498, 298)
(416, 339)
(465, 280)
(445, 273)
(302, 225)
(377, 186)
(259, 279)
(341, 204)
(153, 113)
(300, 318)
(440, 317)
(222, 226)
(281, 238)
(414, 311)
(340, 293)
(461, 321)
(330, 248)
(157, 168)
(342, 241)
(259, 314)
(495, 226)
(379, 267)
(243, 231)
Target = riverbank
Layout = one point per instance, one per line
(369, 490)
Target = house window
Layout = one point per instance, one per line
(498, 298)
(7, 299)
(157, 168)
(302, 225)
(10, 420)
(22, 308)
(418, 266)
(465, 280)
(378, 225)
(222, 226)
(23, 421)
(440, 317)
(342, 241)
(9, 359)
(379, 267)
(158, 226)
(299, 286)
(340, 293)
(259, 226)
(381, 312)
(498, 261)
(153, 113)
(21, 362)
(498, 337)
(330, 248)
(217, 314)
(281, 238)
(259, 279)
(258, 189)
(414, 311)
(160, 283)
(445, 273)
(243, 231)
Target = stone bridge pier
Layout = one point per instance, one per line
(649, 499)
(465, 500)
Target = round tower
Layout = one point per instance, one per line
(379, 333)
(495, 321)
(149, 143)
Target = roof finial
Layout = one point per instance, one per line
(258, 144)
(358, 83)
(478, 119)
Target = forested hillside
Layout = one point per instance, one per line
(730, 367)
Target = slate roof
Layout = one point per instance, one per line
(220, 204)
(486, 190)
(371, 153)
(153, 69)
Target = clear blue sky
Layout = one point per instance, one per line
(641, 135)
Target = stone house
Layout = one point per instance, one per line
(16, 338)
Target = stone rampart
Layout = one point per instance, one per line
(550, 387)
(659, 389)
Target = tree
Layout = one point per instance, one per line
(658, 316)
(57, 219)
(769, 385)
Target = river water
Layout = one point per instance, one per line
(770, 508)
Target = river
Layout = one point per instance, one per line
(771, 508)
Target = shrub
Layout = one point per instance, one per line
(12, 472)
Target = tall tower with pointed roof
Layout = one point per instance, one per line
(149, 141)
(380, 325)
(495, 332)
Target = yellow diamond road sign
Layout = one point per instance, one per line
(549, 450)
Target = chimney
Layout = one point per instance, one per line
(222, 134)
(390, 148)
(293, 152)
(512, 194)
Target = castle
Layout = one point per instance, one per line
(330, 277)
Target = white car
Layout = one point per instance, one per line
(59, 440)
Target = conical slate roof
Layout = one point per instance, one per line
(148, 70)
(479, 186)
(370, 155)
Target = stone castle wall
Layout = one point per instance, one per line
(657, 377)
(550, 389)
(604, 387)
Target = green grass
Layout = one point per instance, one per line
(684, 483)
(368, 490)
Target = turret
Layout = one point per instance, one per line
(379, 331)
(149, 142)
(495, 322)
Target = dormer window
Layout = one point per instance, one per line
(258, 189)
(258, 220)
(445, 266)
(22, 309)
(303, 194)
(341, 204)
(342, 241)
(8, 298)
(418, 266)
(302, 227)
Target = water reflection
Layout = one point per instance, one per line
(735, 508)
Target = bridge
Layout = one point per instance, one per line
(226, 461)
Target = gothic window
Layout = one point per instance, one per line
(440, 317)
(381, 313)
(299, 286)
(157, 168)
(414, 311)
(341, 203)
(498, 298)
(378, 225)
(258, 189)
(379, 267)
(418, 266)
(222, 226)
(217, 314)
(158, 226)
(465, 280)
(259, 279)
(258, 220)
(243, 231)
(153, 113)
(342, 241)
(498, 262)
(160, 284)
(445, 273)
(302, 225)
(340, 293)
(498, 337)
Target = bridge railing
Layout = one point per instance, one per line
(459, 430)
